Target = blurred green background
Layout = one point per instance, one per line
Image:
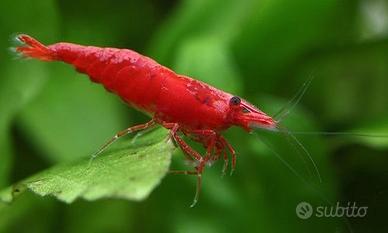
(262, 50)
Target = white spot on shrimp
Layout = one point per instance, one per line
(106, 54)
(124, 55)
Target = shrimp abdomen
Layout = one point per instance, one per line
(137, 79)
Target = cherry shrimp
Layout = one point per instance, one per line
(182, 105)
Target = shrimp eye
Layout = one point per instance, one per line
(234, 101)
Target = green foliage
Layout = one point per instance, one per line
(73, 111)
(377, 128)
(18, 87)
(129, 173)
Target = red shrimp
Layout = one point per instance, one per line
(177, 102)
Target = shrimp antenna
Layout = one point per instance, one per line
(333, 133)
(278, 156)
(287, 108)
(300, 177)
(301, 150)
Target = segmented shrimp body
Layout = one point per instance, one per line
(146, 85)
(177, 102)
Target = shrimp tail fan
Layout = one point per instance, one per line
(32, 48)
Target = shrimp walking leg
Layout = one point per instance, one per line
(220, 150)
(182, 144)
(123, 133)
(211, 136)
(187, 149)
(232, 152)
(194, 154)
(213, 141)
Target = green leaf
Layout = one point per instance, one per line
(129, 172)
